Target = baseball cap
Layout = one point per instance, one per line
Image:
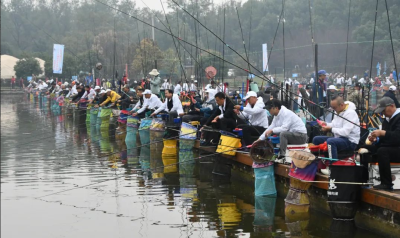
(322, 72)
(332, 87)
(97, 87)
(108, 90)
(383, 103)
(250, 94)
(392, 88)
(102, 92)
(147, 91)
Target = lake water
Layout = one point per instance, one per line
(60, 178)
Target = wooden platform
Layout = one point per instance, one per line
(379, 198)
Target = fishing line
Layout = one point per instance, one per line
(244, 44)
(148, 170)
(391, 41)
(373, 42)
(263, 78)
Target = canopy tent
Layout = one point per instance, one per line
(7, 66)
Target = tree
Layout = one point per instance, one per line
(26, 67)
(145, 55)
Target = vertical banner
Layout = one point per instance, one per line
(58, 57)
(265, 57)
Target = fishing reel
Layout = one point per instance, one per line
(262, 151)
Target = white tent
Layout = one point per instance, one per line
(7, 66)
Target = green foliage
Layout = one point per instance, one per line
(86, 28)
(26, 67)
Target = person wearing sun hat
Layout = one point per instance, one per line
(384, 145)
(155, 83)
(391, 94)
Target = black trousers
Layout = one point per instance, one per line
(249, 132)
(191, 117)
(143, 114)
(384, 156)
(225, 124)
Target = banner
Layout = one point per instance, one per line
(265, 57)
(58, 57)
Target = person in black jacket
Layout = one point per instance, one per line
(126, 98)
(386, 142)
(224, 118)
(391, 94)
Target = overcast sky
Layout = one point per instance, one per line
(155, 4)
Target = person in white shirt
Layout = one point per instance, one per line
(311, 80)
(288, 81)
(339, 81)
(165, 85)
(255, 114)
(42, 85)
(362, 81)
(349, 82)
(210, 85)
(150, 103)
(178, 88)
(344, 128)
(172, 106)
(185, 86)
(287, 124)
(140, 102)
(193, 86)
(90, 93)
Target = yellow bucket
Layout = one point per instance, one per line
(228, 144)
(169, 147)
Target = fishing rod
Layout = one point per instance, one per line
(347, 49)
(262, 77)
(148, 170)
(391, 41)
(223, 51)
(173, 40)
(245, 51)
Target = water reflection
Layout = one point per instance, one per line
(153, 195)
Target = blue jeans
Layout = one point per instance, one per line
(337, 144)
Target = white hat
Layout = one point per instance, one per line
(66, 83)
(108, 90)
(154, 72)
(332, 87)
(102, 92)
(392, 88)
(135, 81)
(147, 91)
(250, 94)
(195, 81)
(97, 87)
(165, 80)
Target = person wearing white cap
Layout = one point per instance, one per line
(112, 97)
(172, 106)
(391, 94)
(255, 114)
(287, 124)
(97, 90)
(155, 83)
(332, 92)
(150, 103)
(101, 98)
(208, 107)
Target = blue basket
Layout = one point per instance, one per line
(274, 140)
(265, 181)
(177, 120)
